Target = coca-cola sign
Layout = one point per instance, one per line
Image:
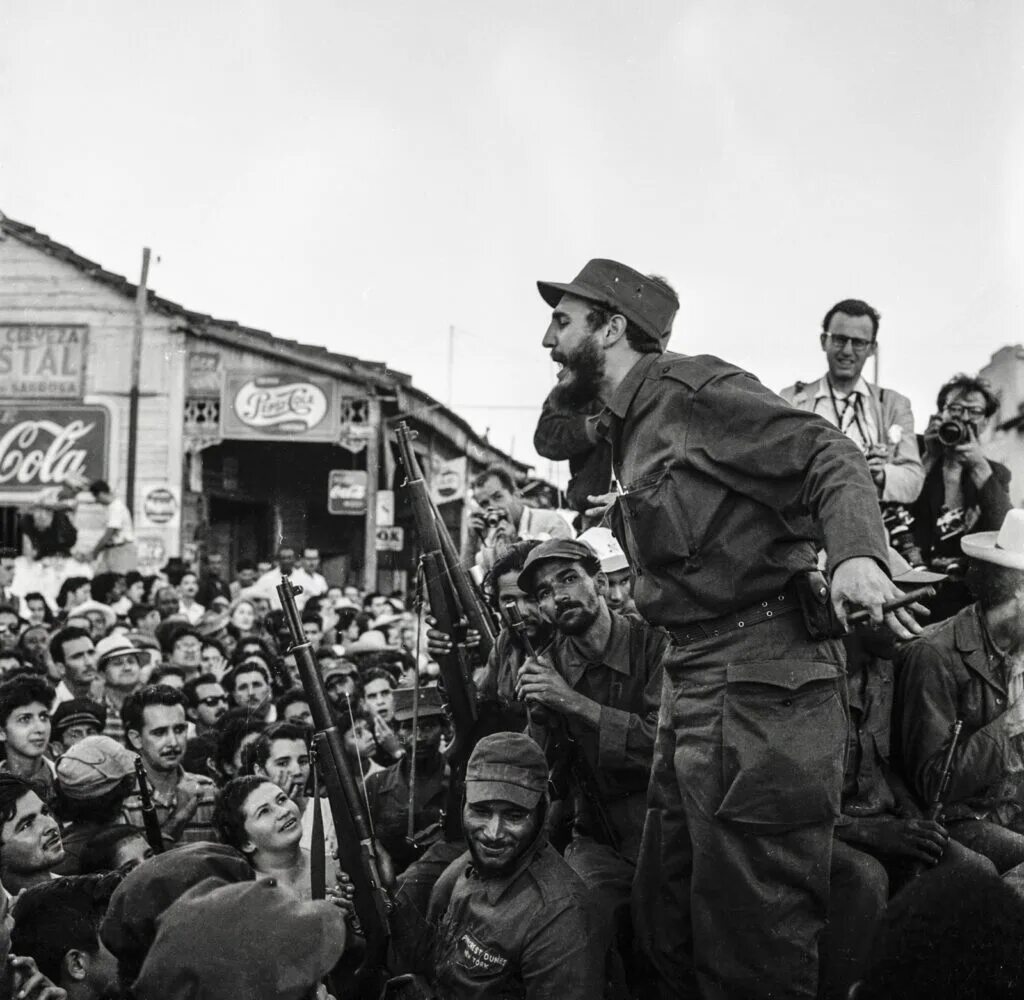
(271, 407)
(44, 445)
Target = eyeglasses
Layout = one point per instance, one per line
(213, 699)
(959, 410)
(842, 342)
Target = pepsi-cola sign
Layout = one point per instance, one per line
(272, 407)
(43, 446)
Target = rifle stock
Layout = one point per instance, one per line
(357, 850)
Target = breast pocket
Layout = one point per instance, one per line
(784, 732)
(653, 520)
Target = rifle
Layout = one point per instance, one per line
(434, 537)
(150, 821)
(357, 851)
(456, 606)
(574, 760)
(938, 801)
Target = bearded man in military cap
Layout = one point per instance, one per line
(724, 492)
(507, 918)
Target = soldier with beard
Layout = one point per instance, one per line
(725, 489)
(507, 918)
(602, 674)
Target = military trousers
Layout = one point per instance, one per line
(732, 885)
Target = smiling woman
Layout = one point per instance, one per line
(257, 817)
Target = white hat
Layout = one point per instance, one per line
(1004, 547)
(608, 550)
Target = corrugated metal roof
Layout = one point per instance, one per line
(374, 373)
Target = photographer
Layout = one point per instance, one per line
(963, 490)
(504, 518)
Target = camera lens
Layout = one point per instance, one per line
(952, 433)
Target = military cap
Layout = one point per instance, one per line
(570, 549)
(649, 304)
(507, 767)
(430, 703)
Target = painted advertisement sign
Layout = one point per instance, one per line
(43, 445)
(346, 491)
(279, 407)
(42, 360)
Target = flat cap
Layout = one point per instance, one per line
(93, 767)
(78, 712)
(248, 941)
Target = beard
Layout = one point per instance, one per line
(581, 379)
(575, 619)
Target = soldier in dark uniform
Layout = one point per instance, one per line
(725, 491)
(507, 918)
(387, 791)
(601, 676)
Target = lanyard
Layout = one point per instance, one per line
(853, 399)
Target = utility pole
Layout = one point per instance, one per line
(451, 365)
(133, 394)
(373, 446)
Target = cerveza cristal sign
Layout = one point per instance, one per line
(40, 360)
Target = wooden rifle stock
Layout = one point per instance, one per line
(357, 850)
(434, 537)
(150, 820)
(565, 742)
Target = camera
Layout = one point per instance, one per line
(494, 518)
(898, 524)
(953, 432)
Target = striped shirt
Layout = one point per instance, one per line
(198, 828)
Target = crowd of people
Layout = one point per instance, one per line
(696, 772)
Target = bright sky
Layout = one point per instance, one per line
(365, 175)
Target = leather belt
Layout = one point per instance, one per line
(756, 614)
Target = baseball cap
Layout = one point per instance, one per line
(93, 767)
(651, 305)
(507, 767)
(571, 549)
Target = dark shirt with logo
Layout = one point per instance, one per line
(520, 935)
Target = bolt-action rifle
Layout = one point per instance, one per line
(572, 766)
(357, 850)
(457, 606)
